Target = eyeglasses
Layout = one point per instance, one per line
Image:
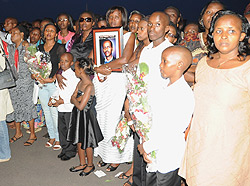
(87, 19)
(63, 20)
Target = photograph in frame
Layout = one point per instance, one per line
(108, 45)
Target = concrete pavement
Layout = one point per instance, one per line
(39, 166)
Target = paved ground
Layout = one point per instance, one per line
(39, 166)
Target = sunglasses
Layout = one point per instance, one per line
(87, 19)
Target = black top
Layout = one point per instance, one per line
(55, 54)
(82, 49)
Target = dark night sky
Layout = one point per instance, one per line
(32, 9)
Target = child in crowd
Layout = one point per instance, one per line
(61, 99)
(192, 42)
(191, 39)
(166, 137)
(84, 129)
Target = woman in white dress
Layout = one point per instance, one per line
(110, 97)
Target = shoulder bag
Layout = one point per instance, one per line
(9, 75)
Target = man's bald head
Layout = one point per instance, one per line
(175, 61)
(162, 15)
(158, 26)
(181, 54)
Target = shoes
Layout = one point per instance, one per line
(4, 160)
(123, 176)
(57, 147)
(87, 173)
(48, 144)
(60, 155)
(73, 169)
(14, 139)
(65, 158)
(101, 164)
(127, 183)
(27, 143)
(110, 168)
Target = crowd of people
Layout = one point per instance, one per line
(179, 104)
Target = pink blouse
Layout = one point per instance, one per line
(67, 38)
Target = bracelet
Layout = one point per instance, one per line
(130, 122)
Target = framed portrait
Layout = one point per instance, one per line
(108, 45)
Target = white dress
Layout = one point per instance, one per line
(110, 97)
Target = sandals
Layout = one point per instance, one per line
(48, 144)
(101, 164)
(127, 183)
(29, 143)
(123, 176)
(57, 147)
(87, 173)
(14, 139)
(73, 169)
(110, 168)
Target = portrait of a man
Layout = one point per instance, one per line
(108, 51)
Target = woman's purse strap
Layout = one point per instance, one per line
(11, 67)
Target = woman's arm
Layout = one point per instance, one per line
(47, 80)
(84, 100)
(74, 95)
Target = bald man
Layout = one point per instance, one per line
(9, 23)
(172, 113)
(158, 26)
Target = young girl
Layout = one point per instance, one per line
(83, 128)
(64, 22)
(217, 151)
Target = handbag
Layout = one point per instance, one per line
(9, 75)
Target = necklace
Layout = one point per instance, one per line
(218, 66)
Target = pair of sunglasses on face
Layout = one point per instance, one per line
(87, 19)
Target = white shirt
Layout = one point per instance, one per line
(172, 109)
(67, 92)
(152, 57)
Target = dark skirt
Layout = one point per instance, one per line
(84, 128)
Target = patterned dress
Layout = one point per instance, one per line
(21, 95)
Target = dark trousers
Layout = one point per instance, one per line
(139, 172)
(158, 179)
(63, 126)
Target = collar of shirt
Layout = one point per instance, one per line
(105, 60)
(68, 71)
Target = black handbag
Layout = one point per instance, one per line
(9, 75)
